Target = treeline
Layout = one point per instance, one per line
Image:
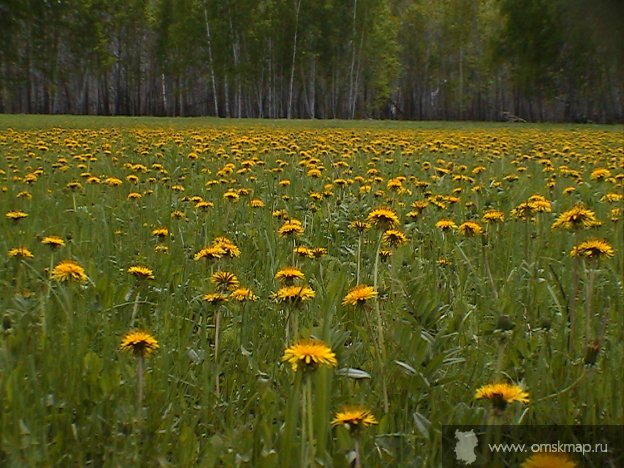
(536, 60)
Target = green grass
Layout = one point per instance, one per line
(497, 310)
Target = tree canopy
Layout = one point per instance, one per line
(539, 60)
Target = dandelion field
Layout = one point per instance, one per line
(216, 295)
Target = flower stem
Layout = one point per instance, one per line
(135, 309)
(140, 382)
(216, 349)
(381, 351)
(310, 422)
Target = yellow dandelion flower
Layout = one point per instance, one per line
(318, 252)
(53, 242)
(203, 205)
(294, 294)
(16, 215)
(20, 252)
(446, 225)
(523, 211)
(593, 248)
(161, 248)
(470, 228)
(309, 354)
(160, 232)
(600, 174)
(224, 280)
(359, 225)
(290, 228)
(610, 197)
(141, 272)
(113, 181)
(354, 417)
(210, 253)
(229, 247)
(493, 216)
(74, 185)
(243, 294)
(139, 343)
(177, 214)
(256, 203)
(394, 238)
(358, 295)
(215, 298)
(578, 217)
(383, 218)
(549, 460)
(501, 394)
(68, 270)
(289, 274)
(231, 195)
(303, 251)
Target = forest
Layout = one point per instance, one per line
(514, 60)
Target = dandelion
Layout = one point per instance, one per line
(54, 242)
(394, 238)
(225, 280)
(294, 294)
(74, 185)
(318, 252)
(229, 247)
(160, 232)
(493, 216)
(290, 228)
(309, 354)
(256, 203)
(20, 252)
(139, 343)
(354, 417)
(359, 226)
(446, 225)
(203, 205)
(600, 174)
(177, 214)
(540, 205)
(243, 295)
(210, 253)
(383, 218)
(523, 211)
(576, 218)
(231, 195)
(359, 295)
(549, 460)
(16, 215)
(215, 298)
(303, 251)
(141, 272)
(470, 229)
(501, 394)
(289, 274)
(68, 271)
(594, 248)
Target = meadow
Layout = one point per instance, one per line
(214, 293)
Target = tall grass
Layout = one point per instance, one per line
(497, 308)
